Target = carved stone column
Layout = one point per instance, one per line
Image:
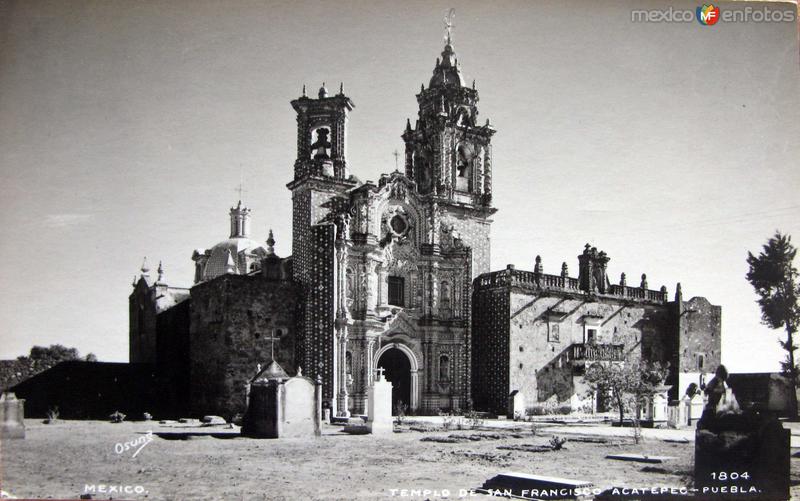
(342, 314)
(487, 171)
(342, 398)
(372, 286)
(383, 289)
(434, 289)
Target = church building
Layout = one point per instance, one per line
(397, 275)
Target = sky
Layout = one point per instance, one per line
(126, 126)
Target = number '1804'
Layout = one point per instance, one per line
(734, 475)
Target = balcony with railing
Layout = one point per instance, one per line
(597, 352)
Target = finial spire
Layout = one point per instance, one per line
(160, 272)
(270, 243)
(341, 88)
(449, 19)
(241, 189)
(396, 157)
(145, 267)
(304, 90)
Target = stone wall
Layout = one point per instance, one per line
(541, 323)
(700, 335)
(142, 324)
(543, 330)
(475, 234)
(233, 318)
(316, 349)
(172, 359)
(490, 349)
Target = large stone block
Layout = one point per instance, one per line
(745, 456)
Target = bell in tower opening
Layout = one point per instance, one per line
(321, 147)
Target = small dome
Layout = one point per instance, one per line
(447, 71)
(217, 263)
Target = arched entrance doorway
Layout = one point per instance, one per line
(398, 371)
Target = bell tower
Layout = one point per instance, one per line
(449, 157)
(447, 153)
(322, 135)
(320, 170)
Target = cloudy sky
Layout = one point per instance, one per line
(125, 126)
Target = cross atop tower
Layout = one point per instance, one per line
(241, 188)
(449, 18)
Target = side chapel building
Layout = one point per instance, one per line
(397, 275)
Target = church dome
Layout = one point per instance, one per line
(227, 257)
(447, 71)
(238, 255)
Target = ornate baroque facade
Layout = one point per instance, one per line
(392, 275)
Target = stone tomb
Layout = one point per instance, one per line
(12, 416)
(526, 486)
(516, 405)
(279, 406)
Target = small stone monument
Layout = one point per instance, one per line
(12, 416)
(694, 409)
(516, 405)
(279, 406)
(379, 406)
(656, 408)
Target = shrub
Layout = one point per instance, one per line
(117, 417)
(400, 412)
(52, 415)
(557, 442)
(474, 419)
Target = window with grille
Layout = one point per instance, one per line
(397, 291)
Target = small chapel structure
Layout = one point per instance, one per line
(396, 274)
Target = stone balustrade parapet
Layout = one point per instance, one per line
(538, 282)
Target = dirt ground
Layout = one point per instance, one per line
(60, 460)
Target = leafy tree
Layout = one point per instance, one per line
(774, 278)
(628, 384)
